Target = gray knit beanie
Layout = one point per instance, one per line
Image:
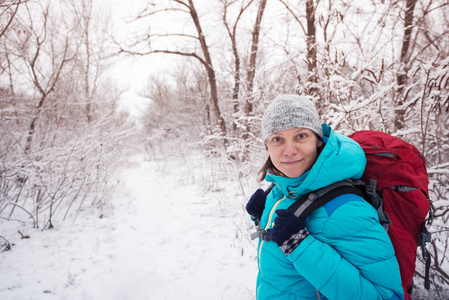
(290, 111)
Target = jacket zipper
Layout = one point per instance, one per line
(269, 223)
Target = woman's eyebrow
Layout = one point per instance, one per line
(277, 133)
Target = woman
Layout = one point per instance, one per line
(340, 251)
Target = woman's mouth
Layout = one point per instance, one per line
(290, 163)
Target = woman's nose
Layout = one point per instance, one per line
(290, 149)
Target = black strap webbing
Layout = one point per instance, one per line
(424, 238)
(309, 202)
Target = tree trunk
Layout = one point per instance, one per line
(311, 39)
(210, 69)
(87, 79)
(233, 36)
(236, 89)
(311, 47)
(33, 124)
(404, 60)
(252, 62)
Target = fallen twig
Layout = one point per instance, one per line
(4, 246)
(23, 236)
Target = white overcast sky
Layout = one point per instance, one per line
(131, 73)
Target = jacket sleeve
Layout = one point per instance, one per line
(351, 256)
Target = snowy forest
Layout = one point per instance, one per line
(65, 133)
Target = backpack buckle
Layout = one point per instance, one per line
(424, 237)
(260, 233)
(265, 236)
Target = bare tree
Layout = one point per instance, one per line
(204, 57)
(251, 72)
(309, 31)
(43, 40)
(8, 12)
(311, 39)
(404, 60)
(232, 33)
(419, 39)
(92, 55)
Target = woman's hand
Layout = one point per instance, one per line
(288, 231)
(256, 204)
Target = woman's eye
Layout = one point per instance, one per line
(276, 139)
(301, 136)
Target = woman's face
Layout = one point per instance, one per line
(293, 151)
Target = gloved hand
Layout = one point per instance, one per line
(256, 204)
(288, 231)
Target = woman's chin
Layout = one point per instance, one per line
(292, 173)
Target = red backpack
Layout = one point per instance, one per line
(400, 172)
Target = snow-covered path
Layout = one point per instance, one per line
(164, 240)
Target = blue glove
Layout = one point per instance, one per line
(256, 204)
(288, 231)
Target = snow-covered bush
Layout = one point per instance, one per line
(61, 136)
(69, 165)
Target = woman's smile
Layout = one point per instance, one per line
(289, 163)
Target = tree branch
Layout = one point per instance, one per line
(173, 35)
(194, 55)
(294, 16)
(12, 18)
(152, 13)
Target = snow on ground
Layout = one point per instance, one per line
(166, 238)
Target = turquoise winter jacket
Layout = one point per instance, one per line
(348, 255)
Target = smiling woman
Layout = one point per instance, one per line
(324, 255)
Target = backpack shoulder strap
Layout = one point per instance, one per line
(311, 201)
(377, 202)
